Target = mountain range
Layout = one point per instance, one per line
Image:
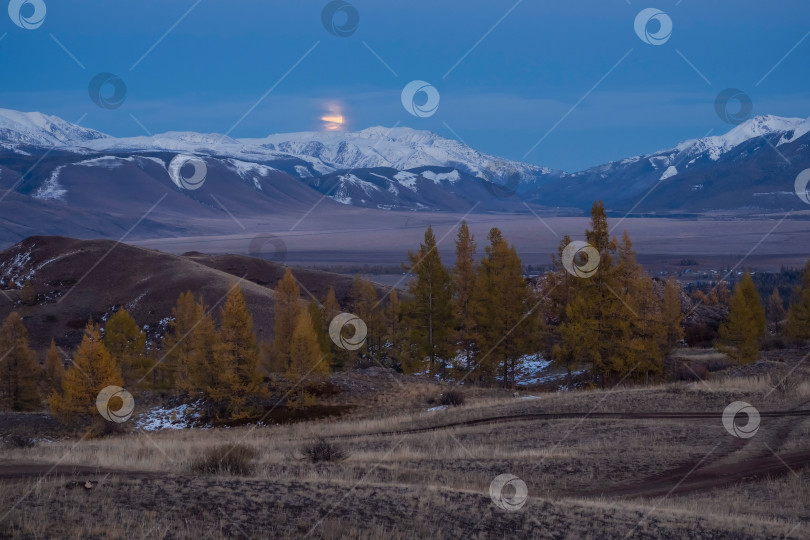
(60, 178)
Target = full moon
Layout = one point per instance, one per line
(333, 120)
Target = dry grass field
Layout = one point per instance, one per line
(623, 462)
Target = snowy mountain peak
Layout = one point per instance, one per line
(37, 129)
(755, 127)
(400, 148)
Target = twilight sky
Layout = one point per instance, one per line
(572, 76)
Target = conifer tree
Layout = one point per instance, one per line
(776, 309)
(238, 350)
(176, 346)
(611, 321)
(331, 308)
(505, 328)
(366, 306)
(741, 333)
(54, 370)
(307, 359)
(19, 370)
(463, 288)
(671, 308)
(798, 319)
(93, 369)
(127, 344)
(395, 332)
(287, 308)
(429, 311)
(206, 373)
(321, 330)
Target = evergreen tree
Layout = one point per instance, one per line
(308, 361)
(19, 370)
(429, 311)
(741, 333)
(54, 370)
(321, 330)
(93, 369)
(671, 309)
(238, 350)
(598, 325)
(366, 306)
(176, 346)
(505, 327)
(798, 319)
(613, 322)
(331, 308)
(776, 309)
(463, 287)
(395, 332)
(287, 309)
(207, 373)
(127, 344)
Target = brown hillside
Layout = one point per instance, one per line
(76, 280)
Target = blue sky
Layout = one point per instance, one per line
(507, 94)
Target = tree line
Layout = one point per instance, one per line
(480, 321)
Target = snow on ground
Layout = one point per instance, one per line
(406, 179)
(51, 189)
(439, 408)
(16, 269)
(451, 176)
(180, 417)
(531, 368)
(669, 173)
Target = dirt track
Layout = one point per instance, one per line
(699, 475)
(588, 415)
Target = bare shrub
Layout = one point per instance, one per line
(18, 440)
(234, 459)
(452, 398)
(322, 450)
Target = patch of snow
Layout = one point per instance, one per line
(51, 189)
(439, 408)
(406, 179)
(302, 172)
(669, 173)
(451, 176)
(183, 416)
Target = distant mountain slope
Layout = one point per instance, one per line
(59, 178)
(751, 168)
(77, 280)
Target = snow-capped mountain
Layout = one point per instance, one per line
(37, 129)
(60, 169)
(750, 168)
(399, 148)
(759, 126)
